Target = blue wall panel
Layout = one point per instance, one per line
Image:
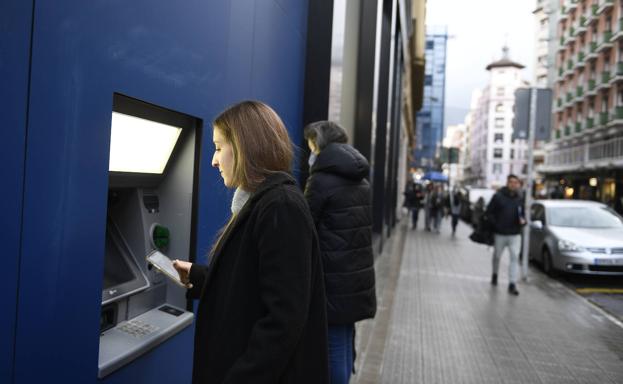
(196, 57)
(15, 27)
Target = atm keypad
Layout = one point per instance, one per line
(137, 328)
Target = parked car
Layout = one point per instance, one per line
(576, 236)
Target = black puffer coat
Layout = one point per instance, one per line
(505, 210)
(339, 197)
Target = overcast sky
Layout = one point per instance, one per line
(479, 29)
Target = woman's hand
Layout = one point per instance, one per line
(183, 269)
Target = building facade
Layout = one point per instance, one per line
(456, 137)
(546, 25)
(585, 157)
(430, 119)
(493, 152)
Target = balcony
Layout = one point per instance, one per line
(605, 41)
(604, 5)
(581, 58)
(589, 123)
(582, 22)
(578, 127)
(604, 153)
(567, 130)
(579, 92)
(563, 13)
(604, 80)
(617, 114)
(591, 87)
(569, 64)
(618, 34)
(569, 96)
(592, 50)
(617, 74)
(572, 5)
(603, 118)
(559, 102)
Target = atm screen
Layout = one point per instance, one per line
(116, 268)
(122, 275)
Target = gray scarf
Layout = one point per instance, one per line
(240, 198)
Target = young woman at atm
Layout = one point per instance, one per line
(262, 307)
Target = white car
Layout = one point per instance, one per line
(576, 236)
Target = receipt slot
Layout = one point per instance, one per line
(151, 204)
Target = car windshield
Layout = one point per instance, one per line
(584, 217)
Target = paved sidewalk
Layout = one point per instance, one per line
(440, 321)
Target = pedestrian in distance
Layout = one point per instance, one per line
(428, 202)
(261, 316)
(413, 201)
(436, 207)
(456, 201)
(505, 213)
(338, 194)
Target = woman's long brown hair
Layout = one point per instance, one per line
(260, 143)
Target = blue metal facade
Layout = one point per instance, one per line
(195, 57)
(15, 24)
(430, 122)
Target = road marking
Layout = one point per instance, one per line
(597, 308)
(585, 291)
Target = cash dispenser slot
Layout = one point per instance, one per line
(153, 170)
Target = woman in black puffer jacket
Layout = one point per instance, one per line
(339, 198)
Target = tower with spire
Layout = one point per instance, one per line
(493, 151)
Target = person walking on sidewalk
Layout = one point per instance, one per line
(506, 215)
(339, 198)
(436, 207)
(456, 200)
(413, 201)
(428, 194)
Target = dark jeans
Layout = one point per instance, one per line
(455, 221)
(341, 353)
(415, 212)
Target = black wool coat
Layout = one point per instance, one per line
(339, 198)
(261, 316)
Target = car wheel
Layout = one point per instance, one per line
(548, 267)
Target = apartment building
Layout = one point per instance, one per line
(585, 156)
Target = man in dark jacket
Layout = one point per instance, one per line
(339, 198)
(506, 215)
(413, 201)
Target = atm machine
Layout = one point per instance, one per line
(152, 194)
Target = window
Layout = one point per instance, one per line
(430, 44)
(499, 107)
(524, 169)
(512, 154)
(428, 80)
(498, 138)
(498, 153)
(499, 122)
(500, 91)
(497, 169)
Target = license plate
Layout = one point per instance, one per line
(609, 261)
